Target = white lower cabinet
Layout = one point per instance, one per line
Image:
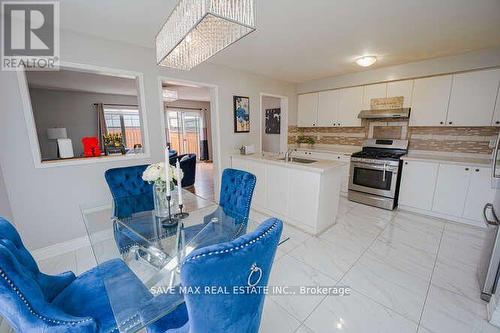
(315, 155)
(277, 189)
(259, 193)
(479, 194)
(304, 196)
(417, 184)
(307, 199)
(451, 189)
(455, 192)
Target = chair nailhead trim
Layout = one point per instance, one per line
(264, 234)
(32, 311)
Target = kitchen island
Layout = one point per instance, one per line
(305, 195)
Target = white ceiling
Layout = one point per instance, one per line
(299, 40)
(190, 92)
(81, 81)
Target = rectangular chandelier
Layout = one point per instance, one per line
(198, 29)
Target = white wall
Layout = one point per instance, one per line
(270, 142)
(436, 66)
(70, 109)
(5, 210)
(46, 202)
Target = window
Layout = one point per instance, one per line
(126, 122)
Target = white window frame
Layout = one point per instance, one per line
(31, 127)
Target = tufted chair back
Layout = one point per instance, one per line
(26, 293)
(130, 193)
(244, 262)
(236, 192)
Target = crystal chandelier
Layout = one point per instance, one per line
(198, 29)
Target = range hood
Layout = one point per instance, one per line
(403, 113)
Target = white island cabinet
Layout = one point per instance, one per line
(304, 195)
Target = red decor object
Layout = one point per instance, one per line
(91, 146)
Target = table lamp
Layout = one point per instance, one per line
(56, 133)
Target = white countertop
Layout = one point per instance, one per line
(318, 166)
(339, 149)
(480, 160)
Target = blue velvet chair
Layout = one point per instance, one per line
(131, 195)
(235, 198)
(32, 301)
(246, 261)
(236, 192)
(188, 167)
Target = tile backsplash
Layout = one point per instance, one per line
(444, 139)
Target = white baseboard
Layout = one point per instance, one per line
(70, 245)
(441, 216)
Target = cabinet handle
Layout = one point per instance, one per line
(497, 122)
(339, 124)
(477, 170)
(406, 163)
(441, 122)
(450, 122)
(314, 124)
(466, 169)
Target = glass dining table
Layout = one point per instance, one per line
(152, 251)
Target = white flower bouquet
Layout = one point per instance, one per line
(155, 173)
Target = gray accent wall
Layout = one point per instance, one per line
(73, 110)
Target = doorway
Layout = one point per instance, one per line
(187, 110)
(274, 123)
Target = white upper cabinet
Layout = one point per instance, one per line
(401, 88)
(328, 108)
(430, 101)
(350, 104)
(373, 91)
(307, 115)
(496, 114)
(472, 99)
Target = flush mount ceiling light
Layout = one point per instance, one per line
(366, 61)
(198, 29)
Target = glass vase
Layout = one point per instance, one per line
(160, 199)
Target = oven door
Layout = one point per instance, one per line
(378, 179)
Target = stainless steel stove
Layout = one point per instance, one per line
(375, 173)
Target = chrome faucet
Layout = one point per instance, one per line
(288, 154)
